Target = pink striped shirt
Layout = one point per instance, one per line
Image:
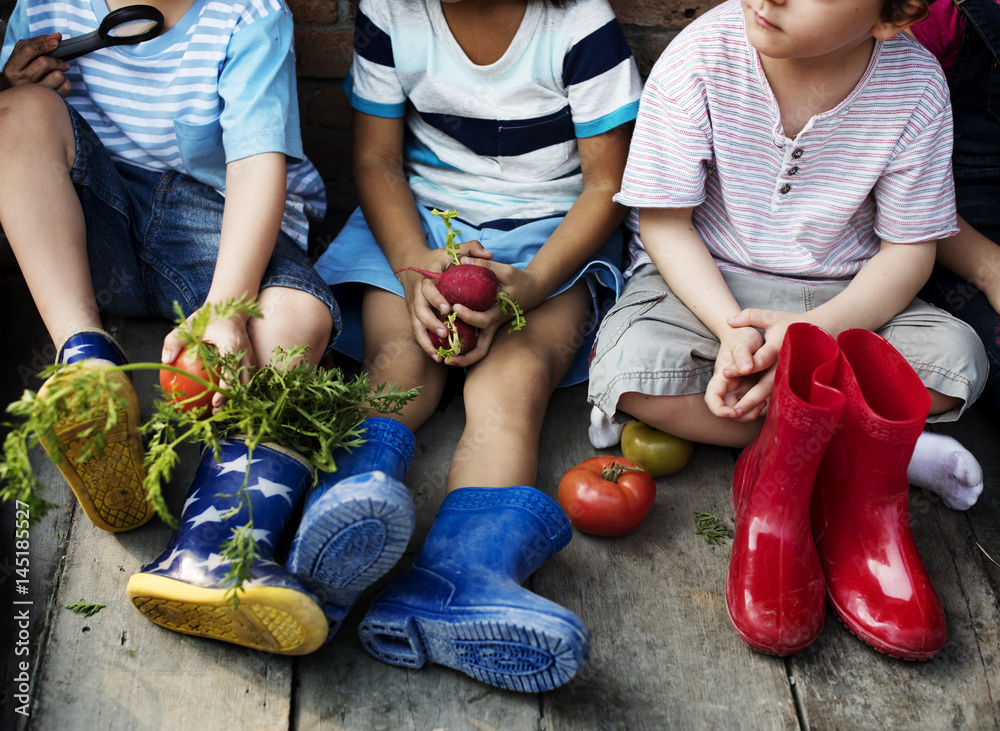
(709, 136)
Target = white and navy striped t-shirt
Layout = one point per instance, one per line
(497, 143)
(218, 86)
(709, 136)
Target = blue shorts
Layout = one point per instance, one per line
(355, 257)
(153, 237)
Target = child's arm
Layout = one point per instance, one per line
(251, 221)
(974, 257)
(391, 214)
(686, 265)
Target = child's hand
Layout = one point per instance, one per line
(737, 374)
(519, 284)
(30, 64)
(751, 402)
(424, 300)
(228, 335)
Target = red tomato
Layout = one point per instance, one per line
(177, 387)
(607, 496)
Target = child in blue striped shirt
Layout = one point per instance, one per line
(515, 115)
(138, 176)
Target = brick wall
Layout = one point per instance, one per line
(324, 46)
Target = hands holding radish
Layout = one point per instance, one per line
(457, 304)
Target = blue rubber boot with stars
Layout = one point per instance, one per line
(185, 589)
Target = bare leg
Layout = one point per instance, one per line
(40, 211)
(507, 394)
(688, 417)
(393, 356)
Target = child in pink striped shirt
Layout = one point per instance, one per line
(791, 163)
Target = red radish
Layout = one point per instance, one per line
(462, 337)
(468, 285)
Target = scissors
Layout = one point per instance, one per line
(132, 24)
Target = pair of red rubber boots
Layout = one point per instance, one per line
(820, 501)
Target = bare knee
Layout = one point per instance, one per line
(30, 114)
(291, 318)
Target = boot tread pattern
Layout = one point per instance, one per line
(109, 487)
(254, 625)
(353, 546)
(112, 483)
(503, 654)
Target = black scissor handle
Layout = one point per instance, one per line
(104, 36)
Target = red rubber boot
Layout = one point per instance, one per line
(774, 589)
(875, 578)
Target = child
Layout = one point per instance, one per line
(965, 38)
(513, 115)
(790, 163)
(173, 171)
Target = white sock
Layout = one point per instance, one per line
(603, 432)
(943, 466)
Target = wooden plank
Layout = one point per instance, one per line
(117, 669)
(664, 654)
(30, 351)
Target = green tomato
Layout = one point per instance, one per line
(660, 453)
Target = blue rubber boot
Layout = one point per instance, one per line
(185, 589)
(462, 603)
(109, 485)
(357, 522)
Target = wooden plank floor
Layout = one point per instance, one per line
(663, 652)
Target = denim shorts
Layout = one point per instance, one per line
(651, 343)
(153, 237)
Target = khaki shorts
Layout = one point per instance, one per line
(650, 343)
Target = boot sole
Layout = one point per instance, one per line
(896, 651)
(511, 649)
(273, 619)
(109, 488)
(343, 549)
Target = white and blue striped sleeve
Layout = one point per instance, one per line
(17, 29)
(599, 73)
(372, 84)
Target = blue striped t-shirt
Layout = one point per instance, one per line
(217, 87)
(497, 143)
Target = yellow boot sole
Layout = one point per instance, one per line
(109, 487)
(273, 619)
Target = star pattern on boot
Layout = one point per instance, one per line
(214, 561)
(270, 489)
(211, 515)
(75, 351)
(191, 499)
(240, 464)
(169, 560)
